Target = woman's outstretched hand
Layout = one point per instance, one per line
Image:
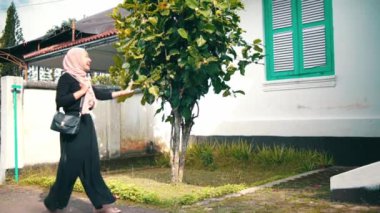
(127, 92)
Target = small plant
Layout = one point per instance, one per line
(201, 155)
(162, 160)
(275, 155)
(312, 159)
(241, 151)
(131, 192)
(305, 159)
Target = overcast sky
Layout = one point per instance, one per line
(38, 16)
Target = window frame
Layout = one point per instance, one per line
(297, 30)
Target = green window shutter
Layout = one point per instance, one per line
(298, 38)
(280, 38)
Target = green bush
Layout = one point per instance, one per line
(241, 154)
(305, 159)
(131, 192)
(201, 155)
(162, 160)
(273, 155)
(241, 151)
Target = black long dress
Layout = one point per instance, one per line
(79, 153)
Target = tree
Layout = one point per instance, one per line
(174, 51)
(65, 25)
(12, 35)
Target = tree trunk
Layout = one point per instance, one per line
(184, 143)
(174, 145)
(178, 145)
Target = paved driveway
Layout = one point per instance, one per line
(29, 199)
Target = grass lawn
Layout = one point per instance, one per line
(140, 182)
(208, 174)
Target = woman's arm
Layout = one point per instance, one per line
(107, 95)
(64, 95)
(122, 93)
(78, 94)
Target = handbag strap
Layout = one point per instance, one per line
(80, 106)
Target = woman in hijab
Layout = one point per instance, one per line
(79, 153)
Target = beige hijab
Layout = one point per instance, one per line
(74, 64)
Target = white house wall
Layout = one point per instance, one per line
(346, 104)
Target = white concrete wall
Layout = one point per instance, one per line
(106, 117)
(346, 104)
(114, 122)
(139, 125)
(41, 143)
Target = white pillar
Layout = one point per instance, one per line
(7, 157)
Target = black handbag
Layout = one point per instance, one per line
(66, 123)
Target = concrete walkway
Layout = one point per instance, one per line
(29, 199)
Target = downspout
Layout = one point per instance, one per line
(16, 89)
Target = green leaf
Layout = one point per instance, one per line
(193, 51)
(226, 93)
(118, 61)
(212, 69)
(256, 57)
(125, 66)
(212, 59)
(201, 41)
(149, 38)
(154, 90)
(257, 41)
(242, 65)
(140, 79)
(153, 20)
(170, 119)
(257, 48)
(204, 13)
(165, 12)
(172, 53)
(239, 91)
(245, 51)
(183, 33)
(209, 28)
(192, 4)
(231, 69)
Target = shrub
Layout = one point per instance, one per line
(241, 153)
(201, 155)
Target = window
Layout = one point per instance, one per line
(298, 38)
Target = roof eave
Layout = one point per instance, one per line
(60, 52)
